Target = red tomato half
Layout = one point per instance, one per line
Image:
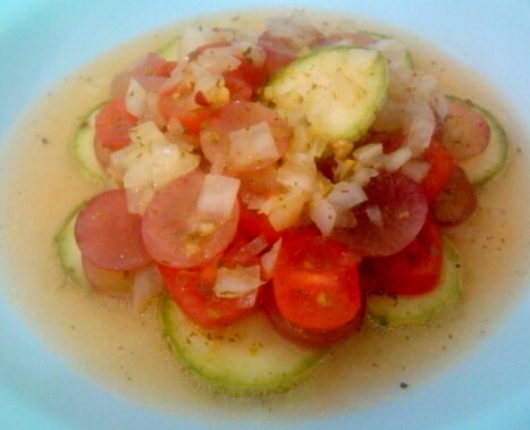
(412, 271)
(113, 123)
(253, 224)
(191, 289)
(315, 281)
(442, 166)
(307, 337)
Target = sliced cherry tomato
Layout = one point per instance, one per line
(235, 116)
(391, 218)
(412, 271)
(171, 106)
(192, 290)
(108, 235)
(304, 336)
(175, 234)
(113, 123)
(244, 82)
(315, 281)
(253, 224)
(457, 201)
(466, 132)
(442, 166)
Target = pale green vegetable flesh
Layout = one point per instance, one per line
(338, 91)
(169, 50)
(68, 251)
(82, 146)
(244, 358)
(402, 311)
(490, 163)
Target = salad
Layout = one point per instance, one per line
(274, 191)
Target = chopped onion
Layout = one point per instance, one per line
(298, 171)
(375, 215)
(219, 60)
(135, 98)
(251, 145)
(323, 214)
(268, 260)
(218, 196)
(168, 162)
(363, 175)
(195, 37)
(370, 155)
(152, 111)
(139, 173)
(255, 246)
(285, 209)
(247, 300)
(139, 198)
(397, 158)
(440, 105)
(416, 170)
(237, 281)
(147, 285)
(346, 195)
(146, 134)
(421, 126)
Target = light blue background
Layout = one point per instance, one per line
(41, 41)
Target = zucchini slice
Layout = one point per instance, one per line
(245, 358)
(483, 167)
(68, 251)
(337, 90)
(170, 49)
(82, 146)
(416, 310)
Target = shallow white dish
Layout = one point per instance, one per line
(41, 41)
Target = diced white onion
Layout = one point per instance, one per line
(152, 111)
(218, 196)
(195, 37)
(139, 173)
(363, 175)
(237, 281)
(421, 126)
(346, 195)
(146, 134)
(397, 158)
(254, 247)
(416, 170)
(219, 60)
(135, 98)
(370, 155)
(147, 285)
(139, 198)
(323, 214)
(284, 209)
(251, 145)
(298, 171)
(440, 104)
(268, 260)
(375, 215)
(247, 300)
